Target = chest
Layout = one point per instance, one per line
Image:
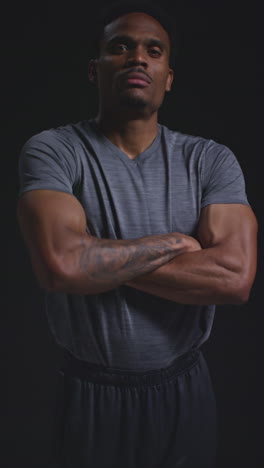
(130, 199)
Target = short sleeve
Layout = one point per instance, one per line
(47, 161)
(222, 177)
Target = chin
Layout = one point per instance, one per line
(134, 102)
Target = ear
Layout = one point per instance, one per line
(169, 79)
(92, 72)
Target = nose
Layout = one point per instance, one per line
(137, 56)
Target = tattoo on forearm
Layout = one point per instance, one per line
(110, 261)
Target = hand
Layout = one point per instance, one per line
(193, 245)
(189, 243)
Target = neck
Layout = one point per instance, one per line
(132, 135)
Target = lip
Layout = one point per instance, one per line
(137, 78)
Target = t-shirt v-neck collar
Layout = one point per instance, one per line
(118, 152)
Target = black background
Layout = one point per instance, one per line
(217, 94)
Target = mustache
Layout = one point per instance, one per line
(135, 70)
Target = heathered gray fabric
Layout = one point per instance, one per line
(160, 191)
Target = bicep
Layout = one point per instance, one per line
(231, 230)
(49, 220)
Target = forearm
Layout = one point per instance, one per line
(91, 265)
(196, 278)
(222, 272)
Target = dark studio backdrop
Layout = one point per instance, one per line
(217, 93)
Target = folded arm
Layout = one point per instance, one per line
(222, 272)
(66, 258)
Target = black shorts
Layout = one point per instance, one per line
(113, 418)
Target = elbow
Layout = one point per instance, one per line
(60, 278)
(237, 281)
(239, 298)
(243, 295)
(49, 274)
(47, 279)
(244, 282)
(239, 292)
(52, 283)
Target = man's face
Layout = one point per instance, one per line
(133, 67)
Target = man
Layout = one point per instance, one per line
(135, 231)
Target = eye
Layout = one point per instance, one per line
(154, 52)
(119, 48)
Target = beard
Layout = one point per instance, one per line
(133, 102)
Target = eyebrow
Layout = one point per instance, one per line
(124, 38)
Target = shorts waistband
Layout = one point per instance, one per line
(124, 377)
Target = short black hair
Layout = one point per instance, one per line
(117, 9)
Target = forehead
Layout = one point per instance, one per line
(136, 24)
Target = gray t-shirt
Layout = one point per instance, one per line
(162, 190)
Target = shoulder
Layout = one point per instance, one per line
(64, 135)
(194, 144)
(183, 141)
